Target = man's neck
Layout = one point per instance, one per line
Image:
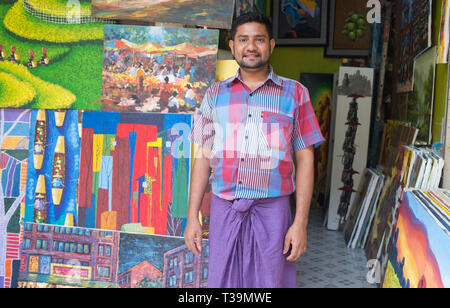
(254, 77)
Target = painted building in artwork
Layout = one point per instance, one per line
(143, 275)
(68, 256)
(182, 269)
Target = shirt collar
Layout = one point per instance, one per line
(272, 76)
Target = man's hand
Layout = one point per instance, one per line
(296, 239)
(193, 236)
(200, 172)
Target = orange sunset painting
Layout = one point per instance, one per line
(419, 254)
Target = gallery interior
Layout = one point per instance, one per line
(98, 99)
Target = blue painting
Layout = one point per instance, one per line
(54, 163)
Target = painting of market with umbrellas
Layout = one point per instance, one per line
(157, 69)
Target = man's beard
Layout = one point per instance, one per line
(258, 64)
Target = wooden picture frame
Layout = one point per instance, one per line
(338, 13)
(312, 29)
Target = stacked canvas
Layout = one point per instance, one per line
(422, 170)
(362, 213)
(374, 211)
(418, 255)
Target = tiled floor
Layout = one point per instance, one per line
(328, 263)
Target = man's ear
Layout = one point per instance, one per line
(231, 45)
(272, 44)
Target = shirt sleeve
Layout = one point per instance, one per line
(306, 131)
(202, 132)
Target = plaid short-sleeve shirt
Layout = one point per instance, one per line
(253, 135)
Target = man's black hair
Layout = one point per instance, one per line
(251, 17)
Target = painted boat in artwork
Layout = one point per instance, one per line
(40, 139)
(58, 171)
(40, 201)
(60, 115)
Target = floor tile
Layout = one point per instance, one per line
(328, 263)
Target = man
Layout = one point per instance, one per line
(250, 128)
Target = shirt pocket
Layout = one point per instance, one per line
(276, 130)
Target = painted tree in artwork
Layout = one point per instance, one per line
(7, 213)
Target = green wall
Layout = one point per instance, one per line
(291, 61)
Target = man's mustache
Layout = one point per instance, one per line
(252, 53)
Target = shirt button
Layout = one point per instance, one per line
(240, 182)
(242, 159)
(249, 115)
(251, 94)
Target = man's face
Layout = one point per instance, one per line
(251, 46)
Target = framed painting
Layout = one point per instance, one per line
(349, 31)
(300, 23)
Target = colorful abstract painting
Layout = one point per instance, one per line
(134, 172)
(418, 256)
(212, 13)
(157, 69)
(61, 257)
(320, 88)
(300, 22)
(50, 55)
(14, 131)
(54, 163)
(247, 6)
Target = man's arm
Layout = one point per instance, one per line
(304, 177)
(199, 182)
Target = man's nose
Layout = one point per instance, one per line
(251, 45)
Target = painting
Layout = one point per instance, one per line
(73, 257)
(351, 139)
(50, 55)
(300, 23)
(385, 215)
(418, 256)
(415, 38)
(420, 100)
(247, 6)
(157, 69)
(210, 13)
(349, 31)
(134, 172)
(363, 209)
(320, 87)
(14, 140)
(54, 162)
